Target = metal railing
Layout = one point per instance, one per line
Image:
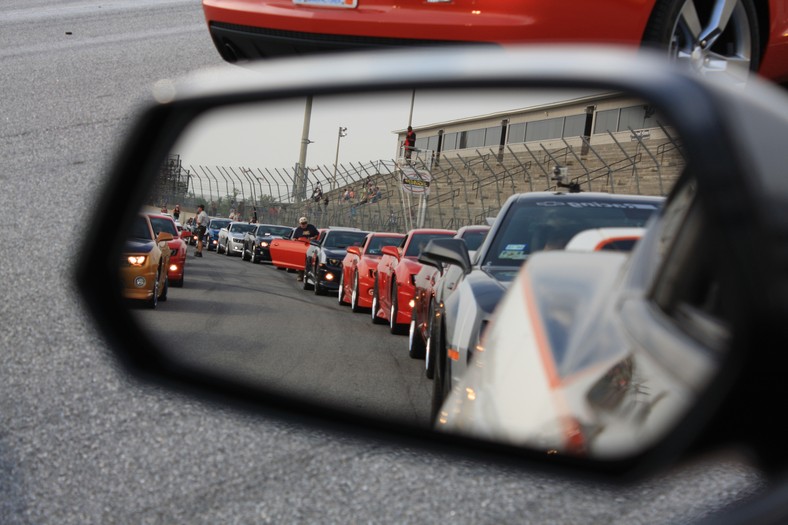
(465, 186)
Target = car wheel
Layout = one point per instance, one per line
(219, 248)
(440, 380)
(154, 301)
(429, 353)
(689, 31)
(319, 290)
(415, 342)
(394, 327)
(244, 257)
(354, 294)
(341, 295)
(165, 290)
(307, 285)
(227, 251)
(376, 307)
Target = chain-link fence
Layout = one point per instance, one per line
(446, 190)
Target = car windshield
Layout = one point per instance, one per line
(474, 238)
(377, 243)
(162, 224)
(139, 229)
(420, 240)
(266, 230)
(218, 224)
(344, 239)
(532, 226)
(242, 227)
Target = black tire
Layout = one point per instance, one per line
(429, 347)
(153, 302)
(243, 255)
(354, 294)
(340, 295)
(394, 327)
(734, 53)
(376, 306)
(166, 289)
(319, 290)
(415, 342)
(441, 383)
(227, 251)
(218, 250)
(306, 284)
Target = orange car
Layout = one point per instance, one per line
(710, 35)
(143, 266)
(393, 290)
(359, 267)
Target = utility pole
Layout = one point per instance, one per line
(301, 171)
(342, 133)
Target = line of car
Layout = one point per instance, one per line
(441, 286)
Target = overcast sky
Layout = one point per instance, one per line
(269, 136)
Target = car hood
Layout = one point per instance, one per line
(547, 349)
(138, 246)
(335, 253)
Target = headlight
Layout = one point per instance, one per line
(333, 262)
(136, 260)
(263, 244)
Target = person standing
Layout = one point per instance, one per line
(202, 226)
(176, 212)
(410, 142)
(304, 230)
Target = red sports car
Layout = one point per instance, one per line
(731, 36)
(424, 283)
(177, 266)
(392, 298)
(359, 267)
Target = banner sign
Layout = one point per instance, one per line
(415, 180)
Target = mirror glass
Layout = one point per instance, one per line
(347, 164)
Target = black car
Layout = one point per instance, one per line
(323, 266)
(527, 223)
(256, 242)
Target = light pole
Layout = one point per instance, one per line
(342, 133)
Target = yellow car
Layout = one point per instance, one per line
(143, 266)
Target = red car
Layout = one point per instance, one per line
(359, 266)
(713, 35)
(177, 267)
(424, 284)
(393, 290)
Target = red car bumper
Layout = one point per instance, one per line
(247, 29)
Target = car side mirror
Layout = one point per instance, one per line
(448, 251)
(393, 251)
(500, 118)
(355, 250)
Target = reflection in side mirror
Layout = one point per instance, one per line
(581, 331)
(336, 363)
